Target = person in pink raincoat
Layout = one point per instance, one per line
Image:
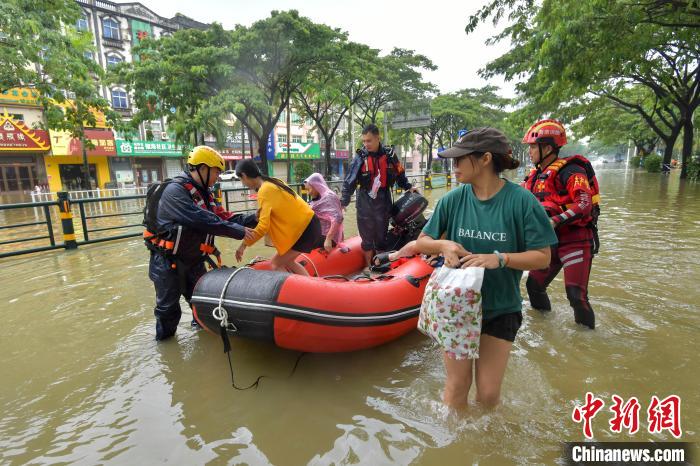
(326, 205)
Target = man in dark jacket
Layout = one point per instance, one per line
(181, 223)
(373, 172)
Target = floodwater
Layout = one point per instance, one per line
(83, 380)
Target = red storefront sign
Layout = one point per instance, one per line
(101, 139)
(16, 136)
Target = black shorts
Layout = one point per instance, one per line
(505, 326)
(308, 240)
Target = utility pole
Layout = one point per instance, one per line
(352, 135)
(289, 141)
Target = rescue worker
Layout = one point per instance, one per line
(568, 190)
(373, 172)
(182, 218)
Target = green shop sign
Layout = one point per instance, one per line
(148, 148)
(298, 151)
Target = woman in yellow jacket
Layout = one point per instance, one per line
(292, 225)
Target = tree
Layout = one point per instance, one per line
(465, 109)
(41, 49)
(621, 49)
(333, 87)
(397, 79)
(609, 124)
(275, 56)
(179, 77)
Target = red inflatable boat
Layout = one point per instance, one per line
(327, 312)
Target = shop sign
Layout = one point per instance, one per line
(16, 136)
(101, 139)
(20, 96)
(299, 151)
(137, 148)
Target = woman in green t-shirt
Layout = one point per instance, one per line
(492, 223)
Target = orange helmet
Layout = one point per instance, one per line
(546, 132)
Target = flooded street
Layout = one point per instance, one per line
(83, 380)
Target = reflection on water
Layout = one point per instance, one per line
(84, 382)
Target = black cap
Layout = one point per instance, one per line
(479, 140)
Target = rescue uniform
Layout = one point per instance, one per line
(373, 205)
(564, 189)
(187, 218)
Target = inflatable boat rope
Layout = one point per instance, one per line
(221, 314)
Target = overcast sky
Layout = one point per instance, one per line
(435, 29)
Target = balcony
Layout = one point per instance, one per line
(114, 43)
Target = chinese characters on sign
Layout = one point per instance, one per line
(661, 415)
(148, 148)
(16, 136)
(101, 139)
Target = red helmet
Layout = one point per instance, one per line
(546, 132)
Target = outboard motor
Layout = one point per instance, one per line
(407, 220)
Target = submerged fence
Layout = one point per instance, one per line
(67, 220)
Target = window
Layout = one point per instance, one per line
(113, 60)
(17, 116)
(119, 99)
(296, 118)
(110, 29)
(82, 24)
(309, 138)
(283, 116)
(281, 138)
(88, 55)
(409, 165)
(296, 139)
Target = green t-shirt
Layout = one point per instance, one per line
(511, 221)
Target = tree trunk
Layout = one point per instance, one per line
(670, 141)
(687, 153)
(329, 169)
(262, 150)
(429, 165)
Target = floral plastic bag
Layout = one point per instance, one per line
(450, 312)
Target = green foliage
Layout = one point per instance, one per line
(302, 170)
(41, 35)
(395, 78)
(274, 58)
(694, 169)
(564, 52)
(636, 161)
(652, 163)
(329, 91)
(465, 109)
(184, 72)
(437, 167)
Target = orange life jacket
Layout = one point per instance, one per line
(169, 242)
(552, 192)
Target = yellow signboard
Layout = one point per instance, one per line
(20, 96)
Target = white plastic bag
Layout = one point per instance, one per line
(376, 184)
(450, 312)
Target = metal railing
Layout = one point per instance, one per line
(96, 208)
(45, 207)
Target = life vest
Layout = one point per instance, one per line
(179, 242)
(387, 165)
(554, 196)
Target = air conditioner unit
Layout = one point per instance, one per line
(164, 136)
